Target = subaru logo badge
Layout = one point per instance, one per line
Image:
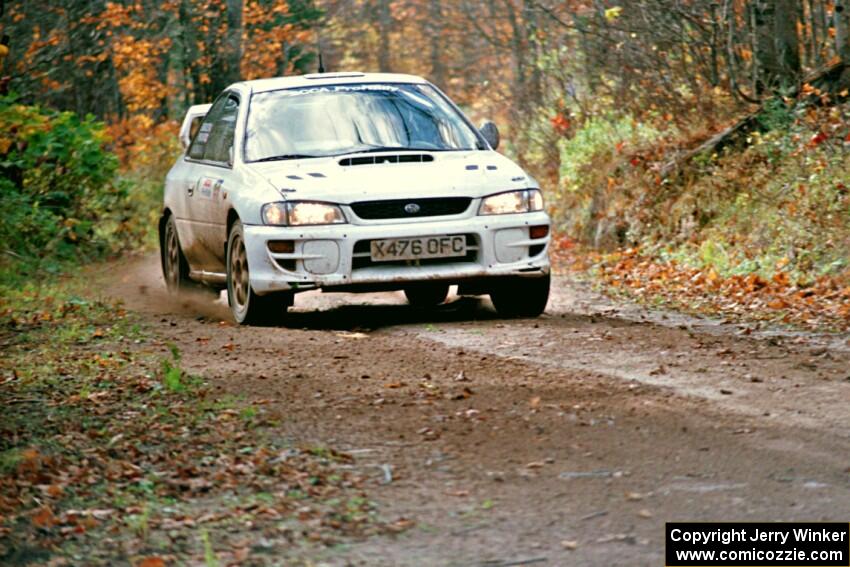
(412, 208)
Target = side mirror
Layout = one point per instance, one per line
(491, 133)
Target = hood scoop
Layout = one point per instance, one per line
(378, 159)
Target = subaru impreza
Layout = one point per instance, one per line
(349, 182)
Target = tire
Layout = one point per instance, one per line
(426, 294)
(521, 297)
(247, 307)
(175, 268)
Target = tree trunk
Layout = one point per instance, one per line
(777, 49)
(811, 48)
(764, 48)
(233, 48)
(787, 46)
(842, 47)
(71, 37)
(535, 78)
(384, 25)
(195, 94)
(438, 69)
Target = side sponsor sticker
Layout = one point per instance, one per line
(210, 188)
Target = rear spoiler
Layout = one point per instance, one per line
(191, 122)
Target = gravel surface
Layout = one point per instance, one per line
(564, 440)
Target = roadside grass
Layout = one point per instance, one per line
(757, 231)
(111, 452)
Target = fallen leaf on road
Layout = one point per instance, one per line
(462, 395)
(52, 490)
(401, 525)
(616, 537)
(569, 544)
(428, 433)
(348, 335)
(100, 514)
(44, 518)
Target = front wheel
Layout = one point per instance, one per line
(247, 307)
(521, 297)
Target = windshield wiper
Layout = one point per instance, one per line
(286, 157)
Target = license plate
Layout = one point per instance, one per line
(418, 248)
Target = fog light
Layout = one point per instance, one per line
(282, 246)
(539, 231)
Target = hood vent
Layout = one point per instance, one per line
(374, 160)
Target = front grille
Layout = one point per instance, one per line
(395, 209)
(363, 256)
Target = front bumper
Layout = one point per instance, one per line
(338, 255)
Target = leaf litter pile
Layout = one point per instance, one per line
(108, 449)
(820, 305)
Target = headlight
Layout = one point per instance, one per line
(525, 201)
(275, 214)
(300, 213)
(314, 213)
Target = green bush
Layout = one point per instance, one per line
(780, 202)
(60, 198)
(598, 138)
(603, 151)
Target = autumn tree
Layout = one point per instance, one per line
(120, 58)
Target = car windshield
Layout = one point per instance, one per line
(339, 119)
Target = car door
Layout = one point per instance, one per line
(210, 178)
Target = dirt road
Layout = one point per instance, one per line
(564, 440)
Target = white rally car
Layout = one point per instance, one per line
(349, 182)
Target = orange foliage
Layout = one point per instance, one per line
(136, 61)
(143, 144)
